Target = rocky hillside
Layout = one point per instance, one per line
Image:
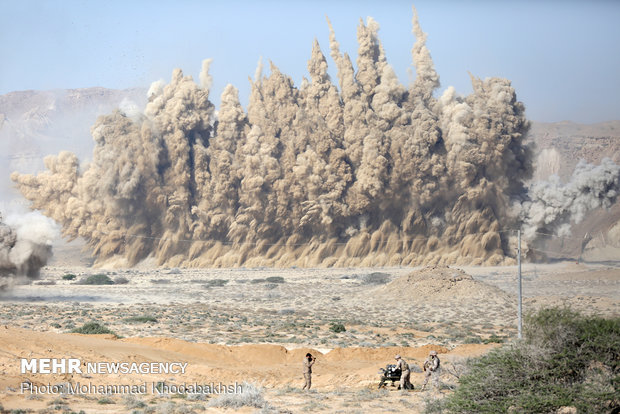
(573, 142)
(560, 146)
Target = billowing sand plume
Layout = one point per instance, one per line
(25, 246)
(368, 172)
(550, 205)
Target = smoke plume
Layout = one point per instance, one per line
(25, 246)
(550, 206)
(365, 172)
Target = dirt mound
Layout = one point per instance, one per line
(268, 354)
(440, 283)
(255, 355)
(382, 355)
(271, 365)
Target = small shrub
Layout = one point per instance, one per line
(131, 402)
(375, 278)
(92, 328)
(251, 395)
(415, 368)
(168, 407)
(69, 276)
(313, 406)
(472, 340)
(337, 327)
(57, 401)
(105, 400)
(494, 339)
(286, 311)
(215, 283)
(275, 279)
(196, 397)
(141, 319)
(98, 279)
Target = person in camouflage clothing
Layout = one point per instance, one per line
(405, 383)
(431, 370)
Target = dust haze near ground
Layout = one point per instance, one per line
(25, 246)
(368, 172)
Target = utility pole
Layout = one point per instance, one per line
(520, 308)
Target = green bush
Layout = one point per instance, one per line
(68, 277)
(337, 327)
(566, 359)
(92, 328)
(494, 339)
(98, 279)
(275, 279)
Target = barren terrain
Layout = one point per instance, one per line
(255, 325)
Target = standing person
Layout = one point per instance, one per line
(308, 362)
(431, 369)
(404, 383)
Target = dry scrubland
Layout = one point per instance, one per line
(256, 324)
(365, 172)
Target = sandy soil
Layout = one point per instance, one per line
(255, 325)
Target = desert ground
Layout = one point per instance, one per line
(252, 326)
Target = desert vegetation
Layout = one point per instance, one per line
(92, 328)
(353, 316)
(98, 279)
(566, 360)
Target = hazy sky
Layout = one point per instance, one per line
(563, 57)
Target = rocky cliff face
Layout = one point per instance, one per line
(572, 142)
(560, 146)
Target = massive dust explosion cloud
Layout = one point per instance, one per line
(368, 172)
(25, 246)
